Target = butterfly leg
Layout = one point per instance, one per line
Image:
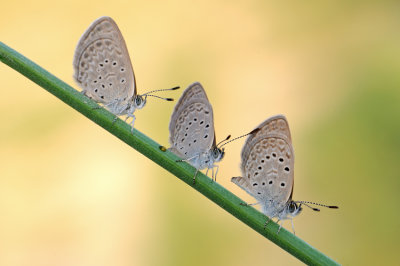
(186, 160)
(280, 225)
(268, 220)
(216, 172)
(115, 120)
(132, 122)
(293, 227)
(128, 115)
(97, 107)
(194, 178)
(212, 173)
(84, 93)
(249, 204)
(100, 107)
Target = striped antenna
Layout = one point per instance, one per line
(167, 99)
(306, 203)
(252, 132)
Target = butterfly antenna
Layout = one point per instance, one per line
(250, 133)
(172, 89)
(167, 99)
(228, 137)
(318, 204)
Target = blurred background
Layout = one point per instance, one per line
(73, 194)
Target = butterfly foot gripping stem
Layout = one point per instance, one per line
(280, 226)
(97, 107)
(265, 225)
(214, 177)
(249, 204)
(194, 178)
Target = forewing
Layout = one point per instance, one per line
(269, 170)
(276, 125)
(102, 64)
(243, 183)
(192, 124)
(268, 162)
(192, 93)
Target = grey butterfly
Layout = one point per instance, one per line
(268, 170)
(192, 133)
(103, 69)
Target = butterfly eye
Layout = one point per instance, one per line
(216, 153)
(292, 207)
(138, 100)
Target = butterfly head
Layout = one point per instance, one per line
(293, 209)
(217, 154)
(139, 101)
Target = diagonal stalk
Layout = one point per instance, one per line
(165, 159)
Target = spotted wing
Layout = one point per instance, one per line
(268, 163)
(192, 123)
(102, 64)
(276, 125)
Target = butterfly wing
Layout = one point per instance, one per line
(192, 124)
(268, 162)
(276, 125)
(102, 64)
(243, 183)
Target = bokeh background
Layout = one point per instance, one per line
(72, 194)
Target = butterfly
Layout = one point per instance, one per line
(104, 70)
(268, 171)
(192, 132)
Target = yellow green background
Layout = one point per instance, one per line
(73, 194)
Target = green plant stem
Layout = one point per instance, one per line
(165, 159)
